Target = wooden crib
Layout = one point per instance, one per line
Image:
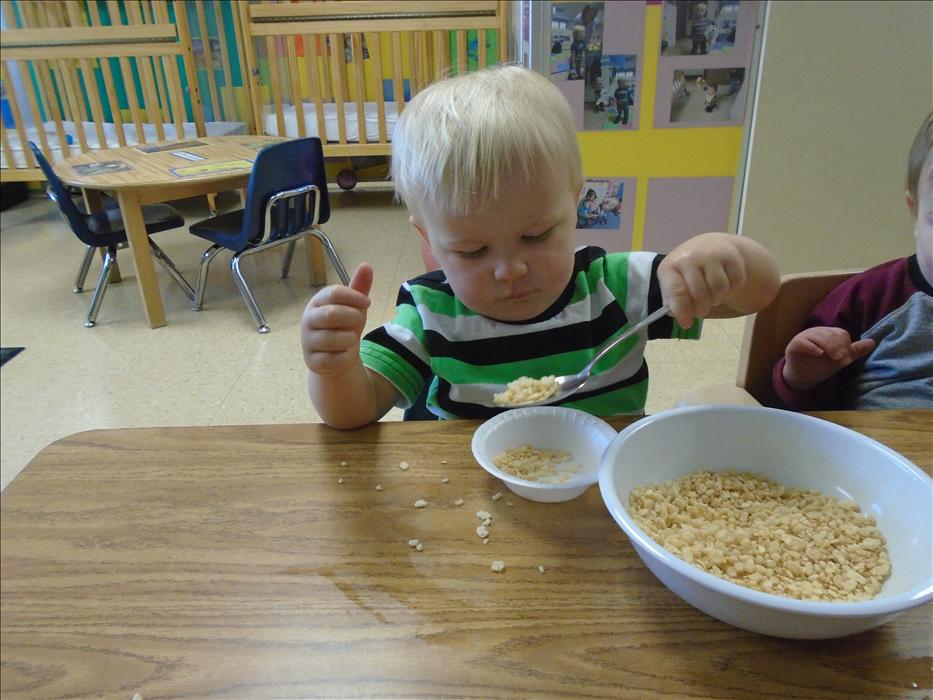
(106, 75)
(343, 70)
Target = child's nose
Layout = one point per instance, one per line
(508, 269)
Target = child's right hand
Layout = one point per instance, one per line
(816, 354)
(333, 322)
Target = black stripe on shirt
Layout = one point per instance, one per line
(663, 327)
(529, 346)
(381, 337)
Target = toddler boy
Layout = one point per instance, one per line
(489, 167)
(869, 343)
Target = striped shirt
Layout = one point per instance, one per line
(466, 357)
(701, 25)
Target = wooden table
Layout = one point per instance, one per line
(161, 176)
(231, 562)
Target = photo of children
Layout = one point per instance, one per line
(600, 205)
(704, 95)
(691, 28)
(576, 41)
(610, 102)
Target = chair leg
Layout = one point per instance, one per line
(206, 258)
(245, 292)
(85, 266)
(287, 259)
(169, 266)
(331, 254)
(109, 258)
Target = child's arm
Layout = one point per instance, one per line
(717, 275)
(343, 391)
(816, 354)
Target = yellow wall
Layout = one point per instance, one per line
(648, 152)
(845, 86)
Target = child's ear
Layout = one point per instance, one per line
(911, 204)
(418, 227)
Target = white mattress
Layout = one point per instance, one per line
(371, 115)
(110, 133)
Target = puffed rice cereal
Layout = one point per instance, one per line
(529, 463)
(757, 533)
(526, 390)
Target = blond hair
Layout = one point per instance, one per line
(461, 141)
(921, 146)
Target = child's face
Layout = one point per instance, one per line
(924, 226)
(512, 261)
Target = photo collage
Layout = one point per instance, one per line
(704, 56)
(596, 58)
(580, 52)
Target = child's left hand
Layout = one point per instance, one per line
(717, 270)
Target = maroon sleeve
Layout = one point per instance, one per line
(855, 305)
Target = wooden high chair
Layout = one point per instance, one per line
(766, 335)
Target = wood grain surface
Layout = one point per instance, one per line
(231, 562)
(155, 169)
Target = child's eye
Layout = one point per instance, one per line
(469, 254)
(537, 238)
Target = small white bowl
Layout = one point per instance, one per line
(584, 436)
(798, 451)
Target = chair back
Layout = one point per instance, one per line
(287, 192)
(58, 193)
(768, 332)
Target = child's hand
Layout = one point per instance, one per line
(816, 354)
(700, 274)
(333, 322)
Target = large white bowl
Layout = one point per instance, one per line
(798, 451)
(584, 436)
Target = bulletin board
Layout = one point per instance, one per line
(660, 94)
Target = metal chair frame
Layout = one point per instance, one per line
(289, 240)
(110, 257)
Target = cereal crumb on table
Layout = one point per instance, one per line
(498, 566)
(414, 543)
(419, 547)
(379, 487)
(339, 481)
(404, 466)
(482, 531)
(343, 464)
(458, 502)
(526, 390)
(443, 461)
(486, 541)
(496, 496)
(760, 534)
(483, 515)
(509, 504)
(541, 569)
(421, 503)
(445, 480)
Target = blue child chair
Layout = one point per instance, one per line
(286, 199)
(105, 230)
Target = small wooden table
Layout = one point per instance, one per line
(152, 173)
(232, 562)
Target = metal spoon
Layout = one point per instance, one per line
(571, 383)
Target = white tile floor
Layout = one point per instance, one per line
(210, 368)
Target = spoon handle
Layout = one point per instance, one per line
(650, 318)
